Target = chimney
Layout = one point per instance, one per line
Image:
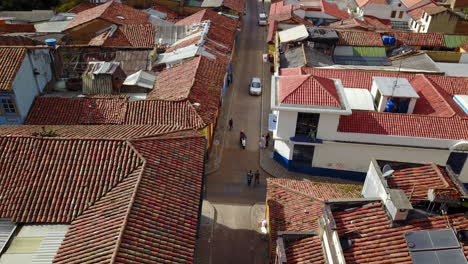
(396, 203)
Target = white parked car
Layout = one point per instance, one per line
(262, 19)
(255, 86)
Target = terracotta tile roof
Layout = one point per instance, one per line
(110, 12)
(171, 15)
(125, 201)
(140, 35)
(220, 38)
(369, 23)
(359, 38)
(444, 119)
(72, 111)
(272, 28)
(14, 28)
(295, 205)
(306, 250)
(10, 63)
(216, 19)
(333, 10)
(199, 80)
(376, 241)
(61, 187)
(236, 5)
(81, 7)
(113, 111)
(181, 114)
(434, 10)
(417, 13)
(362, 3)
(464, 46)
(170, 187)
(89, 131)
(411, 3)
(280, 12)
(419, 39)
(308, 90)
(416, 181)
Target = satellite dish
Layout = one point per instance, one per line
(387, 171)
(388, 174)
(386, 168)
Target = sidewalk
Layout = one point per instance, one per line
(207, 225)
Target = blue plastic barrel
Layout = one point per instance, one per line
(51, 42)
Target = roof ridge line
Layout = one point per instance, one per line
(305, 76)
(130, 206)
(436, 89)
(297, 192)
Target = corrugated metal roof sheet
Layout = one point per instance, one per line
(6, 229)
(454, 41)
(369, 51)
(358, 60)
(50, 245)
(168, 34)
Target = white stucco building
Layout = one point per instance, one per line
(25, 74)
(333, 122)
(393, 10)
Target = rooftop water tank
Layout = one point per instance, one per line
(51, 42)
(388, 40)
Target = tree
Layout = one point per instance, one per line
(27, 5)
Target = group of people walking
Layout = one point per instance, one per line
(255, 176)
(264, 139)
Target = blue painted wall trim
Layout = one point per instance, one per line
(333, 173)
(281, 160)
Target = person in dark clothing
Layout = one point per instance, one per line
(257, 178)
(267, 139)
(230, 124)
(249, 177)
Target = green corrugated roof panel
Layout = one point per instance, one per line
(369, 51)
(454, 41)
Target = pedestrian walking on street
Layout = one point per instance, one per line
(267, 139)
(230, 124)
(257, 178)
(249, 177)
(262, 142)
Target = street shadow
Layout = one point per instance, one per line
(234, 246)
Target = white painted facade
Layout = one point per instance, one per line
(35, 72)
(354, 151)
(395, 11)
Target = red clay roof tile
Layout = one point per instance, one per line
(440, 122)
(376, 241)
(308, 90)
(418, 39)
(417, 13)
(295, 205)
(89, 131)
(416, 181)
(236, 5)
(114, 110)
(198, 80)
(126, 201)
(111, 11)
(81, 7)
(333, 10)
(359, 38)
(10, 63)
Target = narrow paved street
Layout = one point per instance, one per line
(239, 208)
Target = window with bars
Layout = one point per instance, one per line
(7, 106)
